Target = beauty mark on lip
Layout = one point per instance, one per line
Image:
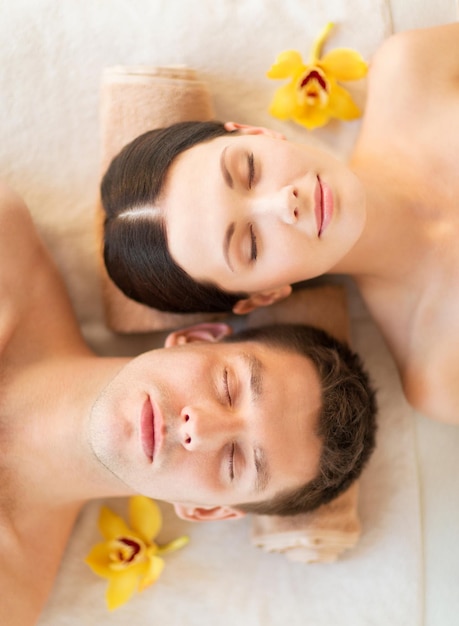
(323, 206)
(147, 429)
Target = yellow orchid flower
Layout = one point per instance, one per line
(313, 95)
(129, 558)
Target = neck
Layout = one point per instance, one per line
(46, 458)
(392, 241)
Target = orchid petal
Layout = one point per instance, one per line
(121, 588)
(341, 104)
(283, 102)
(145, 517)
(286, 65)
(112, 525)
(98, 560)
(312, 117)
(155, 567)
(344, 64)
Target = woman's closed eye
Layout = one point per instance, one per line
(231, 461)
(226, 387)
(251, 169)
(253, 244)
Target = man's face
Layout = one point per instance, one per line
(210, 424)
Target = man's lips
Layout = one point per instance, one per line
(323, 199)
(150, 429)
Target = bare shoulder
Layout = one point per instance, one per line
(413, 94)
(21, 253)
(431, 385)
(18, 237)
(426, 59)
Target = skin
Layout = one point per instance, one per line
(70, 420)
(395, 225)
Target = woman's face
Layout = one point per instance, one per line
(252, 212)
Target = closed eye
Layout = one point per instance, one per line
(226, 387)
(251, 165)
(253, 244)
(231, 461)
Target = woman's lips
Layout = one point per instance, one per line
(323, 206)
(147, 429)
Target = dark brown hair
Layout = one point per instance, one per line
(136, 252)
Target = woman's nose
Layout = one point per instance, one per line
(203, 429)
(282, 203)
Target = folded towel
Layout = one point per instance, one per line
(316, 537)
(135, 99)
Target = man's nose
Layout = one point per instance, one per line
(282, 203)
(205, 428)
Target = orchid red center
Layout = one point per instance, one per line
(314, 76)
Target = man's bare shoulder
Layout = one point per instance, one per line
(21, 254)
(20, 245)
(18, 238)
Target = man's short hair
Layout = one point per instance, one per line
(346, 424)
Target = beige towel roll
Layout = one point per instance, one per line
(135, 99)
(316, 537)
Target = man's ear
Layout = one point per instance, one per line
(199, 332)
(262, 298)
(204, 514)
(246, 129)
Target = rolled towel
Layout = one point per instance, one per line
(135, 99)
(316, 537)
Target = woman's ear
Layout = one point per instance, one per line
(262, 298)
(204, 514)
(199, 332)
(246, 129)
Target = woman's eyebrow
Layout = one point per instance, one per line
(225, 172)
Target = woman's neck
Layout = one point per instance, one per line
(393, 241)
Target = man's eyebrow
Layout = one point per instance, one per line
(226, 175)
(256, 375)
(263, 474)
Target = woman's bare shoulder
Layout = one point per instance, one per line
(430, 383)
(412, 94)
(424, 59)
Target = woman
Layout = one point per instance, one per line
(239, 214)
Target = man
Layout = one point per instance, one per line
(274, 421)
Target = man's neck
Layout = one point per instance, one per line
(43, 419)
